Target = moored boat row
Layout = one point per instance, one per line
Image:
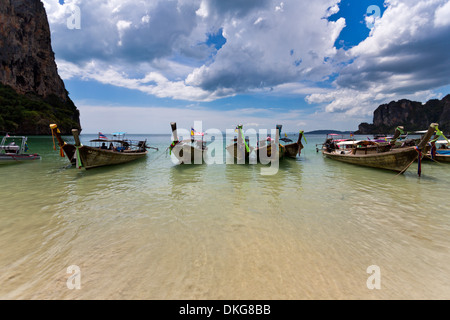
(389, 153)
(193, 150)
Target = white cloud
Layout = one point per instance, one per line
(145, 19)
(405, 57)
(160, 47)
(270, 48)
(332, 10)
(203, 10)
(442, 15)
(156, 119)
(264, 47)
(153, 83)
(280, 7)
(122, 25)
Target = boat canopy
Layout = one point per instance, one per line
(119, 135)
(108, 140)
(18, 144)
(366, 143)
(343, 140)
(348, 142)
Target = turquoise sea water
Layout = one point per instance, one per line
(152, 229)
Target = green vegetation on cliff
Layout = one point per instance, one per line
(31, 114)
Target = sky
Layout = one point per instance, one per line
(135, 66)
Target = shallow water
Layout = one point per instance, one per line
(151, 229)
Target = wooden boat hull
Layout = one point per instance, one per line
(398, 159)
(438, 157)
(442, 158)
(69, 150)
(292, 150)
(239, 152)
(262, 151)
(11, 158)
(186, 153)
(94, 157)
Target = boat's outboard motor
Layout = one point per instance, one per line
(142, 145)
(330, 145)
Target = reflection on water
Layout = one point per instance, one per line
(154, 230)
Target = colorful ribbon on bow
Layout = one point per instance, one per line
(78, 163)
(243, 139)
(303, 134)
(419, 161)
(172, 145)
(439, 134)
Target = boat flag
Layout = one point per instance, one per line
(195, 133)
(101, 136)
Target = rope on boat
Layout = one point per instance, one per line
(162, 153)
(53, 137)
(406, 168)
(61, 152)
(419, 158)
(431, 158)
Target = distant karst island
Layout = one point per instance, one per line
(412, 115)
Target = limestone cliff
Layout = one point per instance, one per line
(27, 65)
(412, 115)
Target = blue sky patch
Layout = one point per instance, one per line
(354, 13)
(217, 40)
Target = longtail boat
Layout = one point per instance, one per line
(265, 147)
(105, 152)
(387, 157)
(14, 148)
(64, 148)
(188, 151)
(441, 153)
(240, 149)
(440, 150)
(293, 148)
